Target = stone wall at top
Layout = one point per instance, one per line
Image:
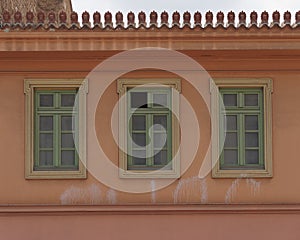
(36, 6)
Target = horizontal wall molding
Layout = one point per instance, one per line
(208, 39)
(12, 210)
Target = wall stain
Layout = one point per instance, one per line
(91, 195)
(252, 185)
(232, 190)
(153, 196)
(111, 197)
(191, 190)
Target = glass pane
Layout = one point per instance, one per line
(66, 123)
(46, 100)
(139, 139)
(251, 139)
(46, 158)
(67, 157)
(139, 100)
(139, 153)
(230, 157)
(160, 140)
(67, 100)
(46, 140)
(231, 140)
(231, 122)
(160, 122)
(138, 122)
(139, 157)
(252, 157)
(67, 140)
(251, 122)
(46, 123)
(251, 99)
(230, 99)
(138, 161)
(160, 100)
(161, 158)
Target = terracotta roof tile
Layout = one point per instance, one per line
(69, 21)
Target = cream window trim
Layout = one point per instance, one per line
(29, 89)
(267, 86)
(122, 86)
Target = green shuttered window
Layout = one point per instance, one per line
(149, 133)
(241, 113)
(242, 128)
(55, 123)
(150, 138)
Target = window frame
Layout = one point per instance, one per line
(149, 114)
(240, 112)
(266, 85)
(31, 86)
(123, 85)
(57, 112)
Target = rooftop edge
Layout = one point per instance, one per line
(63, 21)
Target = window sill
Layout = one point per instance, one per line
(80, 174)
(218, 173)
(149, 174)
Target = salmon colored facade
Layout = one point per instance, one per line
(188, 207)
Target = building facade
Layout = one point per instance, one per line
(162, 129)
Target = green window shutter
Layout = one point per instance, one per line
(242, 128)
(54, 124)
